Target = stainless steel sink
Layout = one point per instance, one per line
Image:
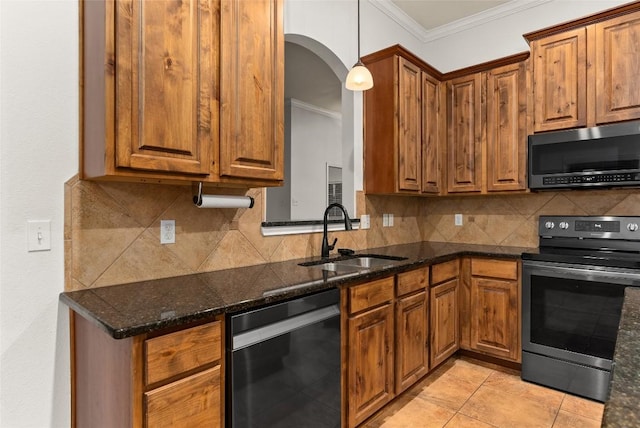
(355, 263)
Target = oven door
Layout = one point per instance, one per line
(572, 312)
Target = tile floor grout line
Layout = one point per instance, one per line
(473, 393)
(397, 417)
(555, 418)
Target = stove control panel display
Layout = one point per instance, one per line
(597, 226)
(582, 227)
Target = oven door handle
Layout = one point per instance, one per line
(627, 276)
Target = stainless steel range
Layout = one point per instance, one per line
(572, 294)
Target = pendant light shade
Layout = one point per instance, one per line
(359, 77)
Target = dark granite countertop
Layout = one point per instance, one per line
(622, 409)
(131, 309)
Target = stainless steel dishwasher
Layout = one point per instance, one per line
(283, 364)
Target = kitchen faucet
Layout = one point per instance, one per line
(325, 241)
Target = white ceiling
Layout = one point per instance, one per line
(430, 16)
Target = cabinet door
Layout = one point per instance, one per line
(506, 128)
(409, 126)
(464, 142)
(190, 402)
(560, 81)
(166, 85)
(431, 129)
(412, 349)
(445, 337)
(617, 52)
(370, 362)
(494, 317)
(251, 89)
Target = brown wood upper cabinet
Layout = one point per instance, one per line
(487, 129)
(584, 72)
(465, 133)
(507, 127)
(411, 146)
(182, 91)
(402, 125)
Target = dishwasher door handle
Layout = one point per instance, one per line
(279, 328)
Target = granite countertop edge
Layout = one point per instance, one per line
(126, 310)
(621, 408)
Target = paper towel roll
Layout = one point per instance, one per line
(223, 201)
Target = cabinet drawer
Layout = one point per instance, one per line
(175, 353)
(190, 402)
(445, 271)
(505, 269)
(370, 294)
(414, 280)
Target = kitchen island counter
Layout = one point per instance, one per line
(622, 409)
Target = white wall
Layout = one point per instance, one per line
(333, 23)
(38, 153)
(316, 139)
(503, 37)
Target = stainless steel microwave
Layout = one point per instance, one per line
(602, 156)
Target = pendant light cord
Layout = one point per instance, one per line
(358, 30)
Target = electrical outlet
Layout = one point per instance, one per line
(365, 221)
(458, 219)
(167, 231)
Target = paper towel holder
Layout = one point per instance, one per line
(221, 201)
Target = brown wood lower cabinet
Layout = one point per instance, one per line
(369, 341)
(386, 341)
(158, 380)
(412, 334)
(190, 402)
(445, 334)
(495, 305)
(392, 338)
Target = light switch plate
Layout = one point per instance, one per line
(390, 220)
(365, 221)
(458, 219)
(385, 220)
(38, 235)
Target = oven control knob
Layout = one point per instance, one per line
(632, 227)
(549, 225)
(564, 225)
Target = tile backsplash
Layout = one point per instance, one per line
(112, 230)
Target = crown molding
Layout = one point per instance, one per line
(293, 102)
(400, 17)
(405, 21)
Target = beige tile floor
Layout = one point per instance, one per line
(464, 392)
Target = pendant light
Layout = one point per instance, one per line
(359, 78)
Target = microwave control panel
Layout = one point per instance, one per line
(604, 179)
